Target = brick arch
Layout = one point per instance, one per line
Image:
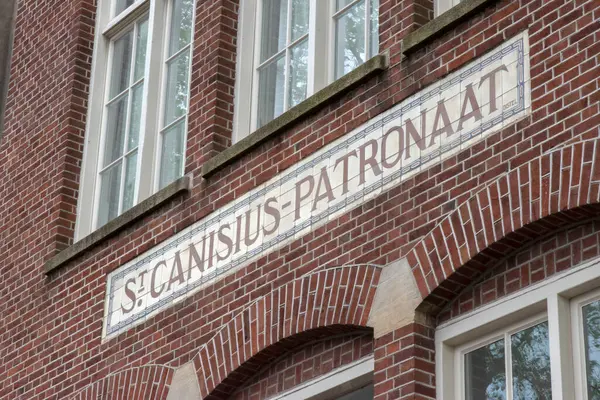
(555, 190)
(319, 304)
(150, 382)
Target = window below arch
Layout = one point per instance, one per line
(353, 381)
(540, 343)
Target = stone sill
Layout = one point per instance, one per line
(293, 115)
(181, 185)
(441, 24)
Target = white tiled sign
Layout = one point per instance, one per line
(441, 120)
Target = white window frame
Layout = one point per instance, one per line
(108, 28)
(504, 333)
(321, 57)
(557, 297)
(577, 333)
(338, 382)
(441, 6)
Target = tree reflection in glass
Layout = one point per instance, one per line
(529, 360)
(176, 91)
(591, 328)
(485, 377)
(530, 352)
(350, 35)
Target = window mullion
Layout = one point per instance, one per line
(318, 51)
(133, 56)
(508, 366)
(288, 58)
(561, 358)
(367, 29)
(102, 134)
(579, 357)
(147, 142)
(246, 78)
(343, 10)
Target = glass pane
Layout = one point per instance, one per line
(135, 119)
(122, 5)
(181, 25)
(121, 64)
(591, 330)
(366, 393)
(485, 377)
(130, 175)
(171, 162)
(274, 27)
(140, 50)
(177, 87)
(374, 28)
(298, 73)
(271, 89)
(350, 40)
(342, 3)
(530, 352)
(109, 194)
(115, 129)
(300, 9)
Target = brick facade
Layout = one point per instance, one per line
(490, 220)
(306, 363)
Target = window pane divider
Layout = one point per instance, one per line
(116, 160)
(136, 83)
(149, 123)
(272, 58)
(173, 123)
(288, 57)
(508, 364)
(367, 30)
(118, 97)
(133, 56)
(337, 14)
(177, 53)
(561, 358)
(125, 18)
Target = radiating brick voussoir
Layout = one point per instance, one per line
(551, 191)
(150, 382)
(322, 303)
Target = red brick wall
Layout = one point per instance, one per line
(532, 264)
(50, 331)
(405, 363)
(148, 382)
(212, 81)
(304, 364)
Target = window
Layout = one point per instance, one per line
(538, 344)
(441, 6)
(135, 138)
(520, 356)
(586, 332)
(295, 48)
(353, 381)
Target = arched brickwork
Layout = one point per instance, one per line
(322, 303)
(535, 262)
(529, 202)
(149, 382)
(303, 364)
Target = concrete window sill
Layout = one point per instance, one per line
(307, 107)
(176, 188)
(441, 24)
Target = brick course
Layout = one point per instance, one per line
(50, 331)
(307, 363)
